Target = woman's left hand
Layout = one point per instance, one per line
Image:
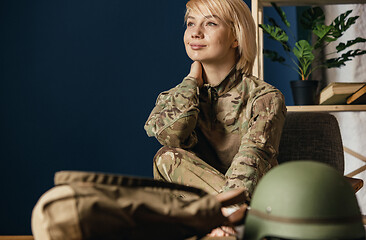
(196, 72)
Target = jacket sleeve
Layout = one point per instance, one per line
(259, 143)
(174, 117)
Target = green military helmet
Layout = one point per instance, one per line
(304, 200)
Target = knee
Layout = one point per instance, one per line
(166, 155)
(166, 161)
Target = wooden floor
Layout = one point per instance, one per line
(205, 238)
(31, 238)
(16, 238)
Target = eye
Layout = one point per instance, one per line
(190, 24)
(211, 24)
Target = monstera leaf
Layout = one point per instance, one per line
(312, 17)
(341, 61)
(274, 56)
(276, 33)
(323, 34)
(342, 24)
(303, 52)
(349, 43)
(282, 14)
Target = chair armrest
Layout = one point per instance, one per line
(356, 183)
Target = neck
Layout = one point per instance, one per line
(214, 74)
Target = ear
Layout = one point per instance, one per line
(235, 44)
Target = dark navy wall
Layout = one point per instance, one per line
(78, 78)
(276, 73)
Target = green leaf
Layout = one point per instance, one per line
(312, 17)
(342, 24)
(322, 30)
(341, 61)
(341, 18)
(323, 33)
(303, 52)
(281, 13)
(349, 43)
(275, 33)
(273, 56)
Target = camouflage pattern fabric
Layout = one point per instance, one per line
(234, 127)
(184, 167)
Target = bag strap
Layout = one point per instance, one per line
(68, 177)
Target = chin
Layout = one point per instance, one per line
(195, 59)
(195, 56)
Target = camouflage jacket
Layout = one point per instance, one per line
(238, 123)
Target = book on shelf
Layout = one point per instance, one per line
(359, 97)
(337, 93)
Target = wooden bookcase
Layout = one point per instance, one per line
(257, 12)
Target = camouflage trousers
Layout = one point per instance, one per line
(86, 206)
(185, 167)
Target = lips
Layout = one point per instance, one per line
(197, 46)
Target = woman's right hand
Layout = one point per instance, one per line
(196, 72)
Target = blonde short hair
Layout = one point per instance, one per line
(236, 14)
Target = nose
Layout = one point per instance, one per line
(197, 32)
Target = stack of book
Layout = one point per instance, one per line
(337, 93)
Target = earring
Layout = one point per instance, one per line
(235, 44)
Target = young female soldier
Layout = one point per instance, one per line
(220, 126)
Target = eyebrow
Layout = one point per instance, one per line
(207, 17)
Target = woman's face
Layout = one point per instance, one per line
(208, 39)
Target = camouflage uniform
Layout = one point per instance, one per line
(217, 137)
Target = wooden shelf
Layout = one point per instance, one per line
(326, 108)
(267, 3)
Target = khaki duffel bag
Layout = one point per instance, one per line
(85, 205)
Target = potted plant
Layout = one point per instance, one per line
(305, 54)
